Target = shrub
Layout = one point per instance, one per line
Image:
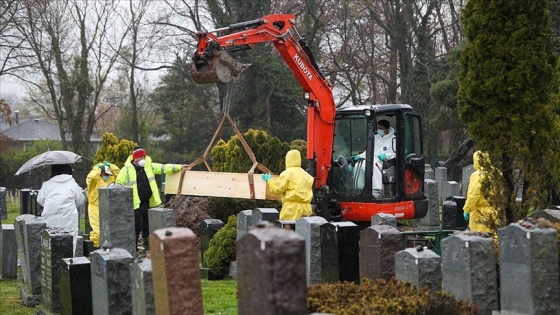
(230, 156)
(221, 251)
(113, 151)
(382, 297)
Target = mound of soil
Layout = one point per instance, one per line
(189, 211)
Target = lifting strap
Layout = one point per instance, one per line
(202, 159)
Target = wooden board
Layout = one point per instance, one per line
(218, 184)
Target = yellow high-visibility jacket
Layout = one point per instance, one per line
(127, 177)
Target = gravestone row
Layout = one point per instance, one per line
(467, 267)
(412, 263)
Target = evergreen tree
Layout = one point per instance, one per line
(267, 96)
(417, 81)
(506, 83)
(187, 115)
(443, 94)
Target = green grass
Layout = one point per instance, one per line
(219, 297)
(13, 212)
(10, 300)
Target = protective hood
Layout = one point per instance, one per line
(477, 157)
(106, 169)
(62, 178)
(390, 132)
(293, 159)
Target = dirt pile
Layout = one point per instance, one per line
(189, 211)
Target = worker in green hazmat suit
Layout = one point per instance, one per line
(477, 210)
(295, 186)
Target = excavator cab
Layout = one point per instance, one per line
(361, 183)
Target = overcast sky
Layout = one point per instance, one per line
(10, 90)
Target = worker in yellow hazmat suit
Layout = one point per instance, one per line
(481, 216)
(100, 176)
(295, 186)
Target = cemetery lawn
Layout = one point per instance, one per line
(13, 212)
(10, 301)
(219, 297)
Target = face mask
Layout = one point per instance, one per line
(380, 132)
(141, 163)
(105, 177)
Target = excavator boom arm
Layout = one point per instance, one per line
(211, 64)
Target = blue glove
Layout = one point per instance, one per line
(107, 163)
(355, 158)
(350, 168)
(466, 216)
(266, 177)
(382, 157)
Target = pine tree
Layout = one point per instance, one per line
(187, 115)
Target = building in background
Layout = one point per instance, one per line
(27, 130)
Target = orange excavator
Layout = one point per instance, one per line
(342, 144)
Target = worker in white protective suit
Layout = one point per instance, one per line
(383, 151)
(60, 198)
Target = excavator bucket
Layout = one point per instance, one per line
(221, 68)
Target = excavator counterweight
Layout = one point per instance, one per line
(219, 68)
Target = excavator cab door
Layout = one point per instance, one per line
(413, 157)
(348, 174)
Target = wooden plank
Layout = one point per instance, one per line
(218, 184)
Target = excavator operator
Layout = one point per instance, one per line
(383, 151)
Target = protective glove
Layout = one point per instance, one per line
(382, 157)
(466, 216)
(107, 163)
(266, 177)
(355, 158)
(350, 168)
